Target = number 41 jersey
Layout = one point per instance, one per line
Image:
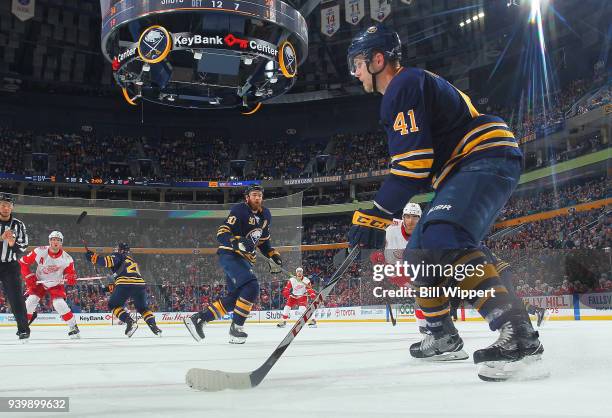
(432, 127)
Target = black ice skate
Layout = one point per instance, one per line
(424, 331)
(312, 323)
(281, 324)
(23, 336)
(513, 355)
(237, 334)
(195, 326)
(130, 327)
(444, 345)
(74, 332)
(155, 329)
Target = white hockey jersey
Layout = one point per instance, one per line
(396, 240)
(50, 269)
(297, 288)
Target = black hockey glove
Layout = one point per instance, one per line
(368, 229)
(275, 261)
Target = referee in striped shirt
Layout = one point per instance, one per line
(13, 243)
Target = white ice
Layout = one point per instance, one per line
(336, 370)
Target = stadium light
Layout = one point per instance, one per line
(472, 19)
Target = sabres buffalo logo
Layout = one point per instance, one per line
(288, 60)
(154, 44)
(254, 235)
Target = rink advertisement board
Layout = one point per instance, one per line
(589, 306)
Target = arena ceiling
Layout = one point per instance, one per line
(59, 49)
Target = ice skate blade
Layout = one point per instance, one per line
(191, 328)
(452, 356)
(237, 340)
(528, 368)
(129, 335)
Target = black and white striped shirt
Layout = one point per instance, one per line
(8, 254)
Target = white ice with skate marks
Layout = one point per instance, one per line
(338, 370)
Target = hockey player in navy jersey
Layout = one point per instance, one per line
(438, 139)
(128, 283)
(246, 228)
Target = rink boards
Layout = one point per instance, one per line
(589, 306)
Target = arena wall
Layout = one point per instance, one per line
(585, 307)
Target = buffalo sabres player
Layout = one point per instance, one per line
(128, 284)
(246, 228)
(436, 137)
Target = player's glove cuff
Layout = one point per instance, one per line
(273, 253)
(243, 245)
(91, 257)
(372, 218)
(368, 229)
(275, 261)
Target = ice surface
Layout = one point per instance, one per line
(336, 370)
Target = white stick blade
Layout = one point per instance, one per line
(216, 380)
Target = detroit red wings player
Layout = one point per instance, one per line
(396, 238)
(296, 291)
(54, 267)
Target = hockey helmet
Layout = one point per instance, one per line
(376, 38)
(412, 209)
(6, 197)
(122, 248)
(56, 234)
(253, 188)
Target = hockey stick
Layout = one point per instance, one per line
(393, 321)
(216, 380)
(78, 222)
(84, 279)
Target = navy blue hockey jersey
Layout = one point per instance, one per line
(432, 127)
(125, 269)
(243, 222)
